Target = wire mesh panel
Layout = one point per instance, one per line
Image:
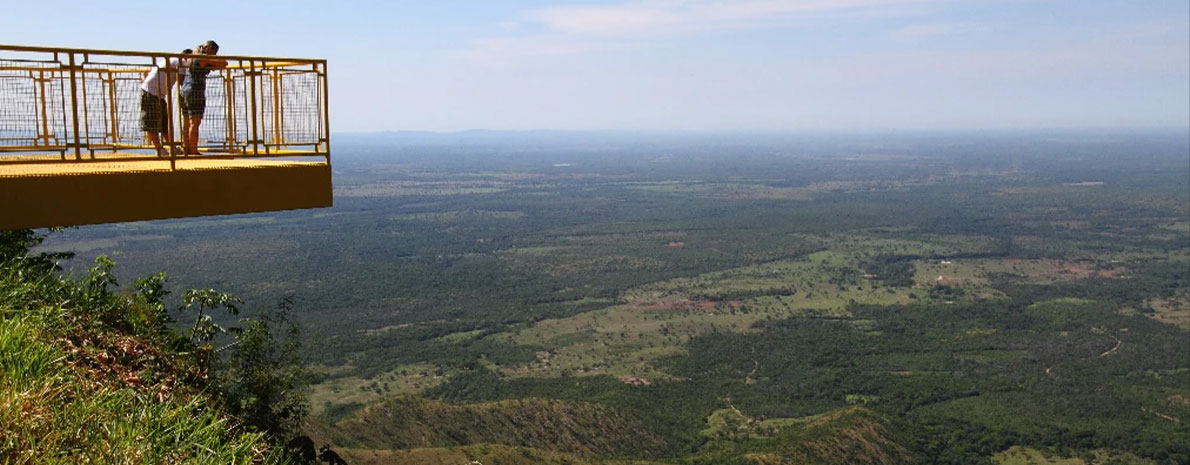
(32, 105)
(111, 105)
(300, 107)
(239, 108)
(87, 103)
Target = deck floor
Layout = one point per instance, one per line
(8, 170)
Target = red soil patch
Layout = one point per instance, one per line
(634, 381)
(1073, 270)
(686, 304)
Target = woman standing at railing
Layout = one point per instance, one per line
(194, 92)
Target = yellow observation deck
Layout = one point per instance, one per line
(72, 151)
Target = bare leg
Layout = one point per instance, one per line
(185, 135)
(192, 135)
(155, 138)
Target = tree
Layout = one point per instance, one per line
(260, 378)
(16, 244)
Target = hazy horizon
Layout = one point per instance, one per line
(808, 131)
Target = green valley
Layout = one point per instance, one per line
(966, 298)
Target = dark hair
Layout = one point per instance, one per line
(210, 45)
(188, 51)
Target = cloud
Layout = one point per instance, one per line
(657, 17)
(920, 31)
(495, 49)
(588, 27)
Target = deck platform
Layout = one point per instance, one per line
(78, 193)
(73, 152)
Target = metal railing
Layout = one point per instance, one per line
(81, 105)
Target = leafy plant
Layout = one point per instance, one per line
(202, 301)
(260, 377)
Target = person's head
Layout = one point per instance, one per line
(208, 48)
(187, 51)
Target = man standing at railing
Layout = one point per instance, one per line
(154, 112)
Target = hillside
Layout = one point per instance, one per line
(853, 435)
(92, 375)
(576, 428)
(411, 431)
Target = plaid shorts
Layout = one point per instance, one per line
(153, 117)
(193, 103)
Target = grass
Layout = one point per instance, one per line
(460, 215)
(225, 221)
(1018, 455)
(481, 453)
(53, 410)
(89, 375)
(753, 190)
(1174, 310)
(417, 188)
(1182, 227)
(402, 379)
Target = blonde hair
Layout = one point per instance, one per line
(203, 47)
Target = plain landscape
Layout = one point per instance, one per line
(960, 297)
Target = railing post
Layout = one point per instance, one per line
(252, 101)
(278, 133)
(326, 114)
(74, 108)
(44, 135)
(113, 108)
(229, 109)
(171, 103)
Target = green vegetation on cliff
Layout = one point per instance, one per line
(89, 374)
(577, 428)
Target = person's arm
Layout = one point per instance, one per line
(175, 70)
(212, 63)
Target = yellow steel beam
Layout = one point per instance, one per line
(90, 51)
(134, 191)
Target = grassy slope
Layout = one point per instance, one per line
(571, 427)
(853, 435)
(76, 388)
(1027, 456)
(484, 453)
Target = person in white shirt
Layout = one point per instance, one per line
(154, 113)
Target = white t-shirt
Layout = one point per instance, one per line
(158, 86)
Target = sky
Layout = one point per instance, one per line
(684, 65)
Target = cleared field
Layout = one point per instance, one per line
(481, 454)
(422, 188)
(744, 190)
(1028, 456)
(345, 390)
(976, 273)
(460, 215)
(1175, 310)
(654, 321)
